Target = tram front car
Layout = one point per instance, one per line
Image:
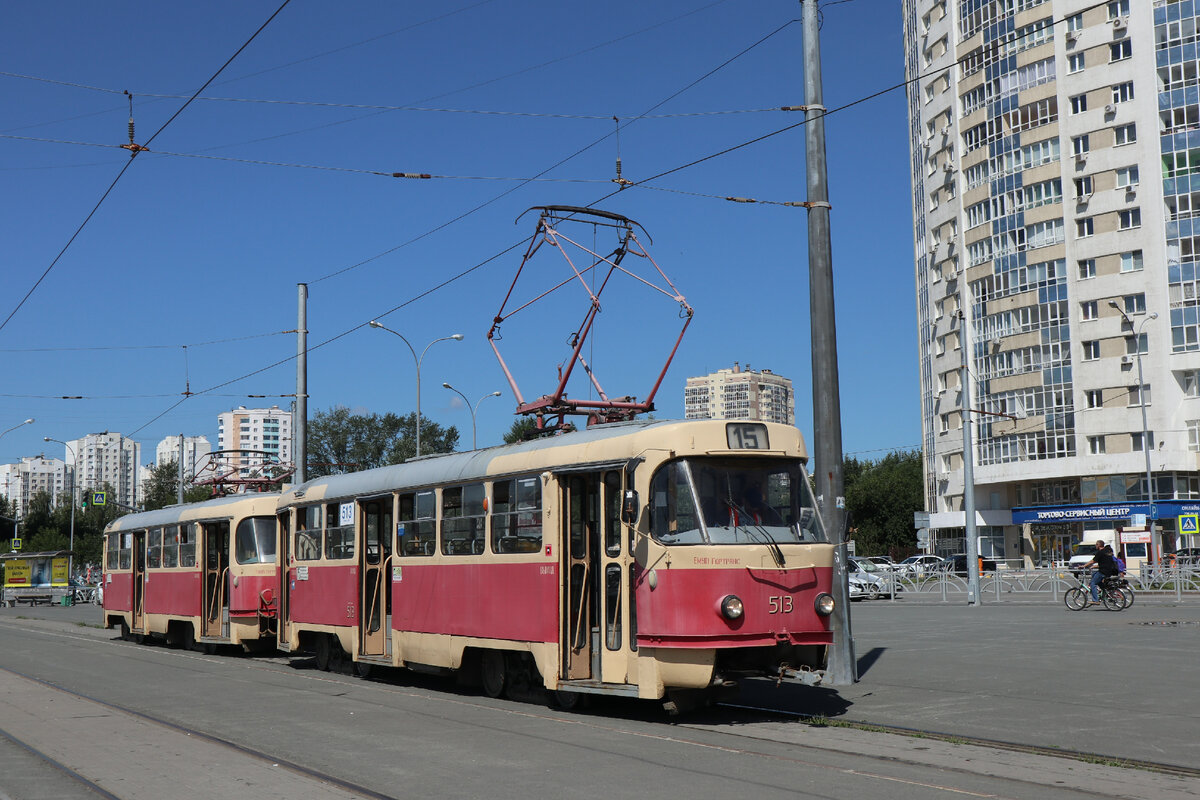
(735, 572)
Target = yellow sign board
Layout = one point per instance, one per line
(58, 572)
(16, 572)
(1188, 524)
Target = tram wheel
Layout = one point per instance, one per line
(568, 700)
(337, 656)
(124, 630)
(324, 651)
(188, 640)
(362, 669)
(139, 638)
(494, 674)
(210, 648)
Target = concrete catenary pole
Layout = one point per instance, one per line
(179, 489)
(964, 342)
(841, 668)
(300, 420)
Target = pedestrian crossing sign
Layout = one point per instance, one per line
(100, 498)
(1189, 524)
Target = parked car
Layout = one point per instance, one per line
(867, 577)
(957, 564)
(916, 565)
(883, 562)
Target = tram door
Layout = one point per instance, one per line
(375, 597)
(283, 549)
(216, 577)
(580, 502)
(139, 581)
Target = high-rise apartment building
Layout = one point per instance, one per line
(21, 481)
(195, 453)
(101, 459)
(265, 432)
(1063, 281)
(740, 394)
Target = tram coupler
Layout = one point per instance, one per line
(805, 675)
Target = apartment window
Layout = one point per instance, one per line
(1127, 176)
(1135, 303)
(1079, 104)
(1084, 227)
(1094, 398)
(1190, 379)
(1096, 445)
(1131, 262)
(1135, 397)
(1091, 350)
(1193, 429)
(1083, 186)
(1136, 441)
(1079, 145)
(1122, 92)
(1119, 51)
(1075, 62)
(944, 422)
(1135, 345)
(939, 309)
(1118, 8)
(1087, 268)
(1125, 134)
(929, 93)
(1089, 310)
(1075, 22)
(1129, 218)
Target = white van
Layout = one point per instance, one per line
(1085, 551)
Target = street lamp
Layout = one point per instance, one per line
(1137, 343)
(19, 424)
(472, 410)
(458, 337)
(74, 470)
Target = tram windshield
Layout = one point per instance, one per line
(733, 501)
(256, 540)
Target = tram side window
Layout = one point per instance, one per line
(463, 520)
(187, 545)
(415, 527)
(111, 551)
(255, 540)
(612, 606)
(154, 548)
(612, 513)
(125, 554)
(308, 533)
(170, 546)
(339, 539)
(517, 515)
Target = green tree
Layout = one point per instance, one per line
(522, 428)
(162, 489)
(339, 441)
(881, 497)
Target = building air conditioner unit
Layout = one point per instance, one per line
(1080, 158)
(945, 130)
(948, 166)
(996, 342)
(1130, 190)
(1110, 109)
(1119, 23)
(1127, 360)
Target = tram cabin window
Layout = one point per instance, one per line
(154, 548)
(256, 540)
(125, 554)
(415, 530)
(612, 513)
(187, 545)
(517, 515)
(170, 546)
(339, 539)
(111, 550)
(308, 533)
(463, 520)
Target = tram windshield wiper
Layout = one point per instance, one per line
(755, 530)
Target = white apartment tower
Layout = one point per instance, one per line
(266, 432)
(101, 459)
(20, 482)
(195, 453)
(1063, 281)
(740, 394)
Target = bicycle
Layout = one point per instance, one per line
(1112, 595)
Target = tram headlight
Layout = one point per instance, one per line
(731, 607)
(824, 604)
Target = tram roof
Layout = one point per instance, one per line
(172, 514)
(454, 467)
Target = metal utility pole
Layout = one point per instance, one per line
(300, 418)
(964, 343)
(179, 493)
(841, 669)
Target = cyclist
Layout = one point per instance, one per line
(1106, 567)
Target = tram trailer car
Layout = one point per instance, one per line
(196, 573)
(648, 559)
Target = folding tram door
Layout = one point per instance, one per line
(137, 621)
(216, 578)
(375, 592)
(283, 551)
(595, 581)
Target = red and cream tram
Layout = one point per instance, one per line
(639, 558)
(202, 572)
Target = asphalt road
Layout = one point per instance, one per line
(1011, 672)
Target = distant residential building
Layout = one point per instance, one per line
(108, 458)
(740, 394)
(195, 453)
(267, 430)
(20, 482)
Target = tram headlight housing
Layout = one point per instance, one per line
(824, 604)
(731, 607)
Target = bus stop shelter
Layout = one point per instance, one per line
(36, 578)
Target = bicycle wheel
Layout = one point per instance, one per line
(1113, 599)
(1075, 599)
(1127, 593)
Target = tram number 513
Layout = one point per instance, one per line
(781, 604)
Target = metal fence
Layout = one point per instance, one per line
(1033, 584)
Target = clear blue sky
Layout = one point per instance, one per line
(207, 253)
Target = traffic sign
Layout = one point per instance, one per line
(100, 498)
(1189, 524)
(16, 544)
